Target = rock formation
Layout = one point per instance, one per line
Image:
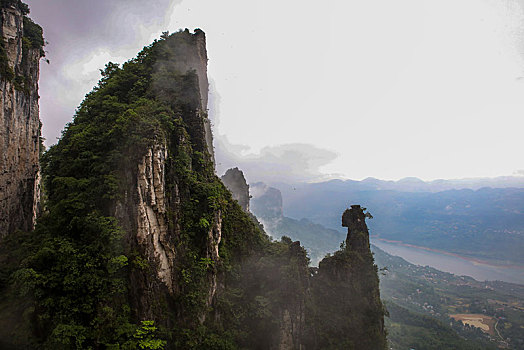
(20, 52)
(358, 235)
(236, 182)
(155, 212)
(191, 55)
(346, 311)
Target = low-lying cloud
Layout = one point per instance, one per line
(282, 163)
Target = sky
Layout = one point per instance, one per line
(309, 90)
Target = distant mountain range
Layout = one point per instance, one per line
(414, 184)
(465, 217)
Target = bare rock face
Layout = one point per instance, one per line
(236, 182)
(191, 55)
(19, 125)
(151, 210)
(292, 315)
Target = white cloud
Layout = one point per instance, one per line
(397, 88)
(281, 163)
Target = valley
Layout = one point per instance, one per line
(430, 307)
(449, 298)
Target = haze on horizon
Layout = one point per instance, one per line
(308, 90)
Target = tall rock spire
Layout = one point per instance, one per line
(346, 311)
(236, 182)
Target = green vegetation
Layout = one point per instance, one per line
(34, 34)
(6, 72)
(409, 330)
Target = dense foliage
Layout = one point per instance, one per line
(76, 266)
(76, 269)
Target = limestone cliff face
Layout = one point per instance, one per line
(292, 316)
(152, 212)
(140, 228)
(191, 55)
(236, 182)
(19, 123)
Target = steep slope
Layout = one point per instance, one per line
(21, 45)
(138, 226)
(141, 245)
(340, 305)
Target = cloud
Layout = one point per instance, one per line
(282, 163)
(292, 162)
(82, 37)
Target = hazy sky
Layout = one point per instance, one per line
(312, 89)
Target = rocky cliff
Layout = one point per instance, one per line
(267, 202)
(20, 53)
(236, 182)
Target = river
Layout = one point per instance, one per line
(453, 264)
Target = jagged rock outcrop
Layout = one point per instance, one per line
(157, 208)
(20, 52)
(293, 313)
(236, 182)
